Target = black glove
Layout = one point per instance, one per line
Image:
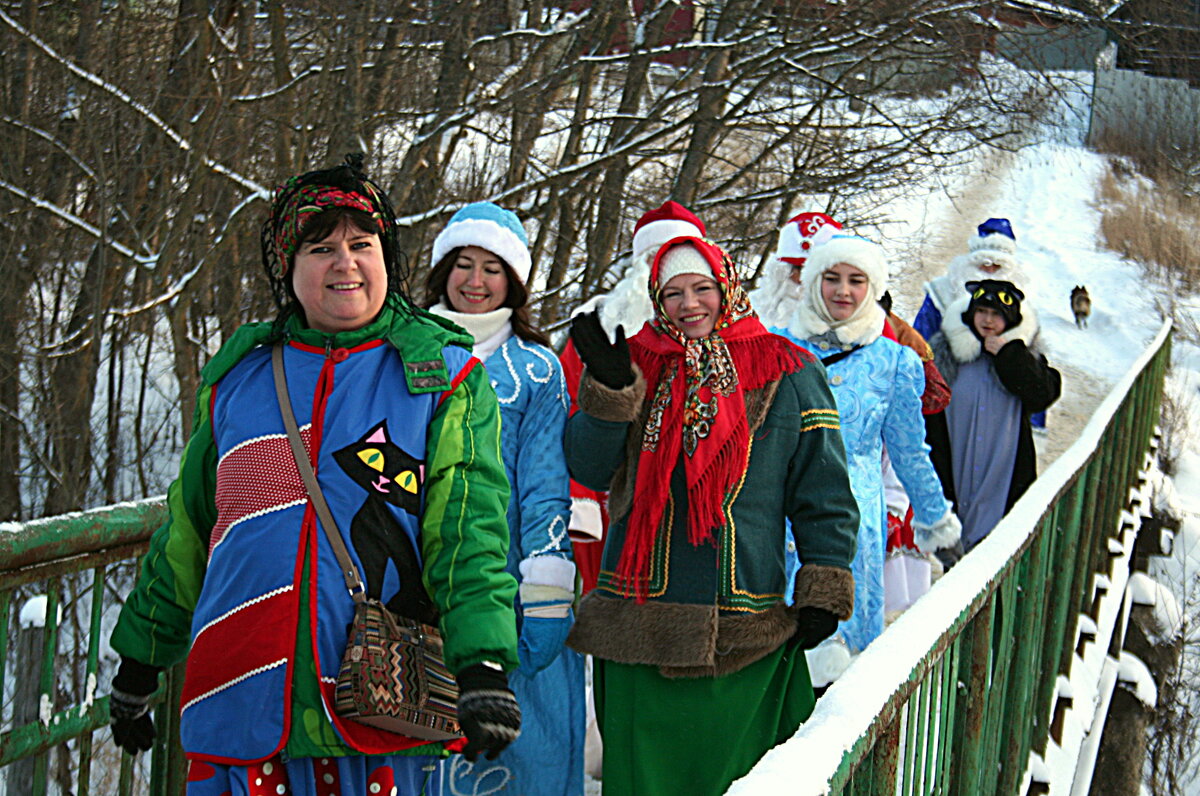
(609, 363)
(129, 705)
(813, 625)
(487, 711)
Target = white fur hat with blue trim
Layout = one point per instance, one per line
(490, 227)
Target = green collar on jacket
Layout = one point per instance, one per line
(418, 335)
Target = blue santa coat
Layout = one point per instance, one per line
(547, 757)
(878, 391)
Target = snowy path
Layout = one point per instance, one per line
(1048, 192)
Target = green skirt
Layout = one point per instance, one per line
(695, 736)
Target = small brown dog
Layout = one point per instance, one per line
(1081, 305)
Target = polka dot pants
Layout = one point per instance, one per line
(384, 775)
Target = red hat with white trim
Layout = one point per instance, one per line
(662, 224)
(801, 233)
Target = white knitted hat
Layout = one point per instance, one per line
(683, 258)
(867, 256)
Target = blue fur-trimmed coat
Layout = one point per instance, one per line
(547, 757)
(878, 392)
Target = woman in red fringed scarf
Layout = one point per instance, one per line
(708, 431)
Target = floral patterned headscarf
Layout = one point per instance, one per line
(301, 199)
(296, 203)
(697, 408)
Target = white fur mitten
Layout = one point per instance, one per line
(943, 533)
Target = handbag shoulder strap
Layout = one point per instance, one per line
(349, 572)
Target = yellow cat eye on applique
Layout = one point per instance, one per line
(372, 457)
(407, 481)
(1005, 299)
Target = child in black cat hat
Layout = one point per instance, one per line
(987, 350)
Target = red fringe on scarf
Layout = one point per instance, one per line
(759, 358)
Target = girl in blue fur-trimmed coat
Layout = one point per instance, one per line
(878, 385)
(481, 260)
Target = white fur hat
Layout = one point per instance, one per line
(867, 256)
(812, 317)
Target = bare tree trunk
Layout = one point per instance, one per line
(346, 132)
(27, 667)
(562, 206)
(706, 120)
(72, 388)
(527, 123)
(282, 74)
(112, 431)
(603, 234)
(423, 168)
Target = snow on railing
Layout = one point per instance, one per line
(869, 706)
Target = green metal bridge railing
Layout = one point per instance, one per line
(958, 693)
(77, 568)
(953, 698)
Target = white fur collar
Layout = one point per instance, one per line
(966, 347)
(860, 329)
(947, 289)
(943, 292)
(490, 329)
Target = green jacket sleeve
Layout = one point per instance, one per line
(819, 502)
(464, 529)
(154, 626)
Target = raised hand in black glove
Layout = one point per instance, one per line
(813, 625)
(487, 711)
(609, 363)
(129, 705)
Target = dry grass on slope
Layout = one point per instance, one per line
(1152, 223)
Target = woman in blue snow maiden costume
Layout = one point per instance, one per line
(481, 261)
(877, 383)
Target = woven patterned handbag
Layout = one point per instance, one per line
(393, 674)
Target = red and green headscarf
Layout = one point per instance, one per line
(698, 408)
(296, 202)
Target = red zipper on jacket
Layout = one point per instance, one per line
(324, 388)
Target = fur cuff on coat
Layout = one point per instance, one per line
(605, 403)
(831, 588)
(681, 639)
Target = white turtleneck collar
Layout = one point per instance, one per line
(490, 329)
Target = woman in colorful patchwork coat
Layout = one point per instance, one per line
(481, 260)
(878, 385)
(403, 432)
(708, 431)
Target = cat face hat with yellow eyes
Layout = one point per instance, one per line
(1004, 297)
